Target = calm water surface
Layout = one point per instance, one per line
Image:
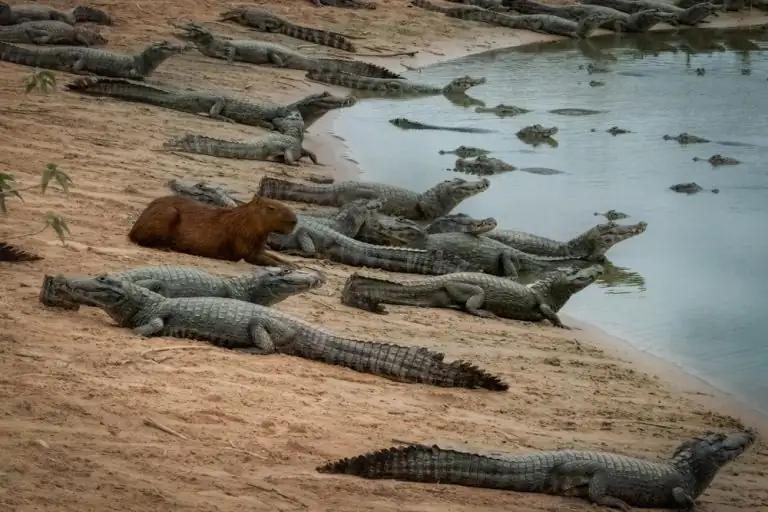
(693, 288)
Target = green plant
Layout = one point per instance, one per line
(41, 80)
(8, 188)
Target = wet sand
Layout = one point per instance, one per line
(78, 392)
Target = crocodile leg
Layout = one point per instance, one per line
(599, 478)
(262, 341)
(38, 36)
(150, 328)
(509, 264)
(307, 153)
(153, 285)
(550, 315)
(470, 296)
(215, 112)
(683, 498)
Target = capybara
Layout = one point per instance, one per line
(185, 225)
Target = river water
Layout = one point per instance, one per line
(693, 289)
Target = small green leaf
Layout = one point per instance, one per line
(58, 224)
(3, 206)
(52, 171)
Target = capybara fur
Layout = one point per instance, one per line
(185, 225)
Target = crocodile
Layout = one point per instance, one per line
(220, 106)
(576, 112)
(465, 152)
(428, 205)
(596, 83)
(261, 330)
(204, 193)
(482, 166)
(313, 239)
(675, 15)
(590, 245)
(491, 5)
(265, 21)
(718, 160)
(393, 86)
(615, 130)
(22, 13)
(265, 52)
(346, 4)
(349, 219)
(10, 253)
(686, 138)
(266, 286)
(612, 215)
(502, 110)
(604, 478)
(542, 23)
(407, 124)
(101, 62)
(615, 20)
(690, 188)
(537, 134)
(397, 231)
(51, 32)
(476, 293)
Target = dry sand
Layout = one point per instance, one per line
(77, 391)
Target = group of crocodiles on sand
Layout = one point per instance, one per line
(468, 264)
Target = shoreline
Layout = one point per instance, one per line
(82, 396)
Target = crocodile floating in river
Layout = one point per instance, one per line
(537, 134)
(407, 124)
(612, 215)
(718, 160)
(482, 166)
(686, 138)
(502, 110)
(465, 152)
(690, 188)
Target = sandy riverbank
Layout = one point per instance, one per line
(76, 389)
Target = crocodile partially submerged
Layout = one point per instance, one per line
(537, 134)
(265, 21)
(12, 254)
(268, 53)
(84, 60)
(691, 16)
(690, 188)
(542, 23)
(406, 124)
(576, 112)
(615, 20)
(502, 110)
(221, 106)
(392, 86)
(612, 215)
(266, 286)
(465, 152)
(482, 166)
(262, 330)
(428, 205)
(590, 245)
(475, 293)
(686, 138)
(22, 13)
(718, 160)
(51, 33)
(604, 478)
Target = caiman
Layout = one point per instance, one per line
(476, 293)
(428, 205)
(51, 33)
(465, 152)
(482, 166)
(615, 20)
(691, 16)
(392, 86)
(12, 254)
(407, 124)
(266, 286)
(261, 330)
(502, 110)
(604, 478)
(22, 13)
(398, 231)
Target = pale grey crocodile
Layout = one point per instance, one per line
(465, 152)
(476, 293)
(262, 330)
(482, 166)
(266, 285)
(428, 205)
(604, 478)
(692, 16)
(615, 20)
(392, 86)
(22, 13)
(51, 32)
(502, 110)
(398, 231)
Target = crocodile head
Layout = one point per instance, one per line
(537, 132)
(315, 106)
(703, 456)
(353, 215)
(398, 231)
(121, 300)
(461, 223)
(270, 285)
(596, 241)
(462, 84)
(52, 295)
(560, 285)
(446, 195)
(92, 37)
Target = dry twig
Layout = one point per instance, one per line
(152, 423)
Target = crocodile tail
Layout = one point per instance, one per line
(429, 6)
(356, 68)
(10, 253)
(420, 463)
(83, 13)
(397, 362)
(275, 188)
(191, 143)
(114, 87)
(321, 37)
(18, 55)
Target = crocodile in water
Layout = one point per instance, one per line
(604, 478)
(51, 32)
(392, 86)
(482, 166)
(612, 215)
(502, 110)
(266, 286)
(428, 205)
(615, 20)
(718, 160)
(221, 106)
(690, 188)
(407, 124)
(101, 62)
(264, 21)
(476, 293)
(22, 13)
(465, 152)
(537, 134)
(686, 138)
(262, 330)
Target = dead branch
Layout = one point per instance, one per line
(152, 423)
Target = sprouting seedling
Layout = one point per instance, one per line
(41, 80)
(52, 172)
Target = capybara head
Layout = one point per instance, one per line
(276, 216)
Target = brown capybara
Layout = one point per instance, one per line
(185, 225)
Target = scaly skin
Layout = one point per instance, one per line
(476, 293)
(204, 193)
(268, 53)
(262, 330)
(266, 286)
(612, 215)
(717, 160)
(482, 166)
(22, 13)
(615, 20)
(590, 245)
(223, 106)
(349, 219)
(50, 32)
(12, 254)
(502, 110)
(391, 231)
(537, 134)
(407, 124)
(604, 478)
(686, 138)
(428, 205)
(392, 87)
(91, 60)
(691, 16)
(347, 4)
(264, 21)
(465, 152)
